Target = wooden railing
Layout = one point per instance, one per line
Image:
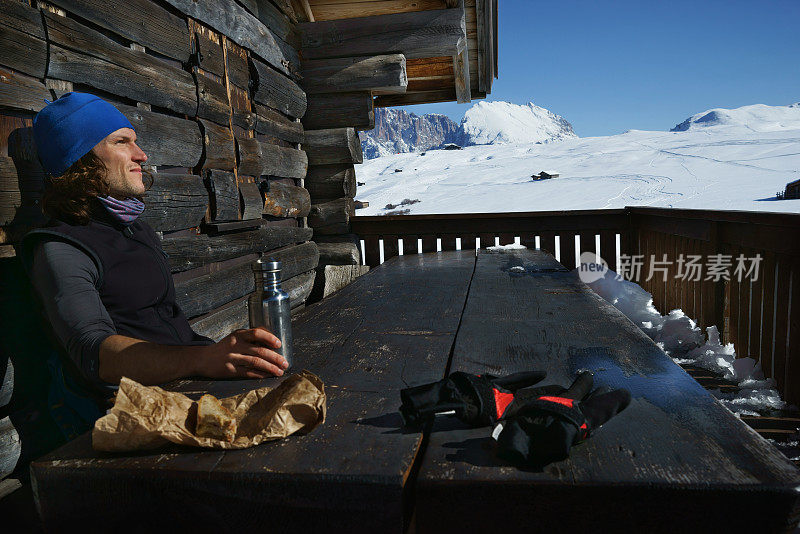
(759, 312)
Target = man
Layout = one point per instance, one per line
(99, 271)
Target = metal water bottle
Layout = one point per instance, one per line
(269, 305)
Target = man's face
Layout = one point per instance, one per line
(123, 160)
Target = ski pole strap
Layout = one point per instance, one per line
(561, 407)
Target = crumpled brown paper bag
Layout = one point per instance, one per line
(146, 417)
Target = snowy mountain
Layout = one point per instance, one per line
(737, 159)
(397, 131)
(757, 117)
(488, 123)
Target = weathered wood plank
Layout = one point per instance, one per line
(142, 21)
(237, 67)
(200, 295)
(166, 140)
(175, 202)
(252, 201)
(81, 54)
(275, 90)
(212, 101)
(10, 195)
(332, 278)
(209, 55)
(21, 93)
(22, 39)
(276, 21)
(6, 381)
(339, 110)
(224, 192)
(462, 79)
(257, 158)
(219, 146)
(409, 99)
(10, 447)
(327, 182)
(672, 440)
(327, 213)
(385, 73)
(333, 146)
(415, 35)
(281, 200)
(339, 254)
(195, 251)
(244, 29)
(269, 122)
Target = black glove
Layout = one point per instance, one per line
(543, 429)
(478, 400)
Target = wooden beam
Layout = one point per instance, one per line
(270, 122)
(385, 73)
(483, 11)
(22, 93)
(219, 146)
(348, 9)
(462, 82)
(333, 146)
(224, 192)
(166, 140)
(277, 91)
(22, 39)
(330, 213)
(281, 200)
(417, 34)
(327, 182)
(408, 99)
(175, 202)
(340, 110)
(307, 10)
(257, 158)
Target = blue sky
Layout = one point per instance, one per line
(612, 66)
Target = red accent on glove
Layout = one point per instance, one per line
(559, 400)
(501, 401)
(585, 431)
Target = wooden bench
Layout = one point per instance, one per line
(675, 458)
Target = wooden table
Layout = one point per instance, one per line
(675, 458)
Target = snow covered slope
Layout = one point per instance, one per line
(488, 123)
(722, 166)
(758, 117)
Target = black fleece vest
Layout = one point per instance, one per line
(135, 282)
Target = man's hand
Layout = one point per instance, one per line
(243, 353)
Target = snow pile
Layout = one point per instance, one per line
(679, 337)
(501, 248)
(487, 123)
(758, 117)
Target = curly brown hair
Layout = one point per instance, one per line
(69, 197)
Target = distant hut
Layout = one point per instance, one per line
(792, 190)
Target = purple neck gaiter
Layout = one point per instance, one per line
(123, 211)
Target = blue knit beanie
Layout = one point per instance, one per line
(68, 128)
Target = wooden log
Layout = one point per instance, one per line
(175, 202)
(219, 146)
(244, 29)
(339, 254)
(200, 295)
(10, 195)
(462, 80)
(22, 93)
(415, 35)
(328, 213)
(275, 20)
(257, 158)
(166, 140)
(6, 381)
(299, 288)
(340, 110)
(209, 55)
(332, 278)
(212, 100)
(252, 201)
(190, 252)
(386, 73)
(141, 21)
(269, 122)
(409, 99)
(281, 200)
(286, 8)
(275, 90)
(331, 181)
(333, 146)
(237, 66)
(81, 54)
(218, 323)
(224, 192)
(332, 229)
(22, 39)
(10, 447)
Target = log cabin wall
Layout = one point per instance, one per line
(211, 87)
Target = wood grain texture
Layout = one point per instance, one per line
(10, 447)
(218, 146)
(277, 91)
(209, 55)
(167, 140)
(212, 100)
(415, 35)
(328, 182)
(282, 200)
(238, 69)
(6, 381)
(339, 254)
(224, 193)
(81, 54)
(270, 122)
(21, 93)
(175, 202)
(333, 146)
(141, 21)
(339, 110)
(234, 21)
(195, 251)
(673, 448)
(385, 73)
(22, 39)
(252, 201)
(327, 213)
(257, 158)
